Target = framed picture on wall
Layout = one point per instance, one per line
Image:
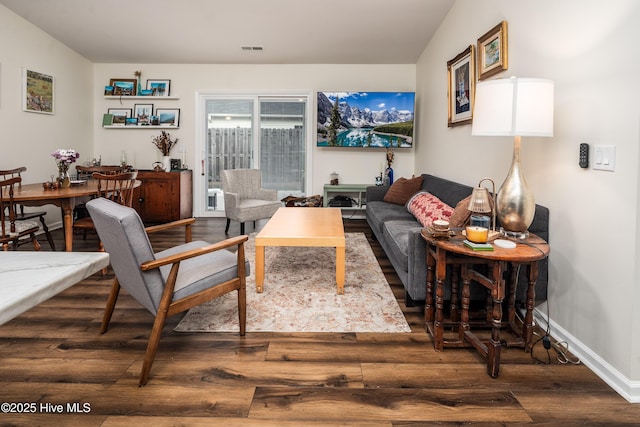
(143, 113)
(493, 51)
(461, 85)
(159, 87)
(168, 116)
(123, 87)
(119, 115)
(37, 92)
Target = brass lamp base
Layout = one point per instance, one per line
(515, 204)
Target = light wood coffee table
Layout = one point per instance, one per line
(321, 227)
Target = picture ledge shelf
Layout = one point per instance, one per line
(141, 97)
(140, 127)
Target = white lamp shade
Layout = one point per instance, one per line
(513, 107)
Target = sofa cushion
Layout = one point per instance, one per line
(380, 212)
(396, 235)
(402, 190)
(427, 208)
(448, 191)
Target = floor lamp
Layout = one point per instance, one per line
(514, 107)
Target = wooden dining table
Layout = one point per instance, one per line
(66, 198)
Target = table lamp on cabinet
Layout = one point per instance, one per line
(514, 107)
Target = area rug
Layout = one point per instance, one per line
(300, 295)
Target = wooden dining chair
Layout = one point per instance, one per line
(14, 232)
(20, 214)
(170, 281)
(84, 173)
(117, 187)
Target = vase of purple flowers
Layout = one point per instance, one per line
(64, 158)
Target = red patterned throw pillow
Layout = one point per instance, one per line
(427, 208)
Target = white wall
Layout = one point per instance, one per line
(589, 48)
(353, 165)
(28, 139)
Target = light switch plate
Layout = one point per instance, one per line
(604, 157)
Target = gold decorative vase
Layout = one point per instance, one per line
(515, 203)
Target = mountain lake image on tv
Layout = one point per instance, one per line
(365, 119)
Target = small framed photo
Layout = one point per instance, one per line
(143, 113)
(131, 121)
(108, 91)
(461, 86)
(37, 92)
(159, 87)
(493, 51)
(176, 164)
(120, 115)
(168, 116)
(123, 87)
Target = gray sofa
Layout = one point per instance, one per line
(398, 232)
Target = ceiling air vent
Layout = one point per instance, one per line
(252, 48)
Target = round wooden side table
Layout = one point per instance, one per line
(452, 251)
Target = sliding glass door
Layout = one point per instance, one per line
(229, 144)
(283, 145)
(265, 132)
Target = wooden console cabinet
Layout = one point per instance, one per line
(164, 196)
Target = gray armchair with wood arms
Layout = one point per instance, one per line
(170, 281)
(244, 197)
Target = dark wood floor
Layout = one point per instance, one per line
(54, 355)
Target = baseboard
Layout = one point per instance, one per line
(54, 226)
(355, 214)
(628, 389)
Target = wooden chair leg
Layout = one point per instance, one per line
(242, 228)
(226, 230)
(101, 249)
(111, 303)
(63, 226)
(242, 291)
(47, 233)
(242, 309)
(36, 244)
(152, 346)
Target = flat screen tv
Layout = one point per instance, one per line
(365, 119)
